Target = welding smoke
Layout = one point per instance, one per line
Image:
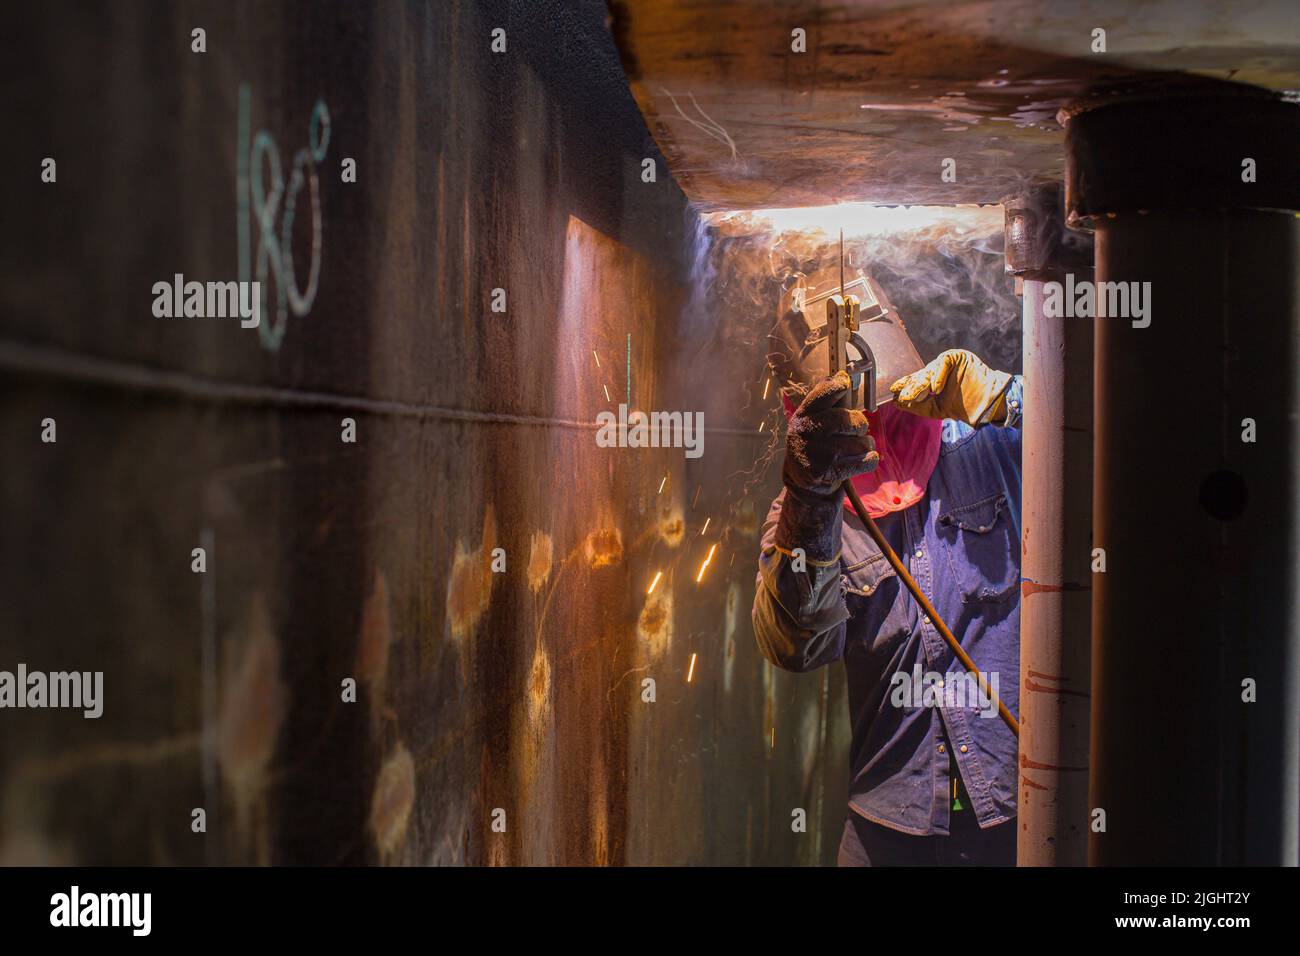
(942, 267)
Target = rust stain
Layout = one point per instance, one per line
(392, 800)
(470, 584)
(652, 619)
(1027, 764)
(1034, 673)
(1042, 689)
(1033, 587)
(376, 635)
(254, 703)
(539, 687)
(540, 556)
(1035, 687)
(654, 626)
(1029, 783)
(672, 529)
(603, 547)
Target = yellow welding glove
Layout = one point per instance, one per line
(957, 385)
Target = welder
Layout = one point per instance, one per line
(937, 465)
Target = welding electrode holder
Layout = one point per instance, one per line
(841, 315)
(842, 329)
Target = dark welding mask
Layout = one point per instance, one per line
(879, 351)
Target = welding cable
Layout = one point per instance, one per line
(876, 535)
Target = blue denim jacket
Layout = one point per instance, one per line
(961, 542)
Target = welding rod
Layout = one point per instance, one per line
(924, 602)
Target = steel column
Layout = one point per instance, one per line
(1194, 722)
(1056, 513)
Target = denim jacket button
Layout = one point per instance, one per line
(963, 748)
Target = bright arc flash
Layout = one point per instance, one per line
(865, 219)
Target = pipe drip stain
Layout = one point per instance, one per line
(731, 625)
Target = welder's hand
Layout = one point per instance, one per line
(957, 385)
(826, 444)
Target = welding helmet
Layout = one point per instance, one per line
(799, 345)
(799, 356)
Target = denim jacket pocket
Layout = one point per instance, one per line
(864, 577)
(876, 602)
(982, 549)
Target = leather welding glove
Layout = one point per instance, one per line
(957, 385)
(825, 445)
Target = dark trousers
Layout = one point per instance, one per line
(870, 844)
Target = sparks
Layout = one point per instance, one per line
(606, 388)
(661, 485)
(696, 497)
(706, 525)
(597, 357)
(766, 385)
(699, 577)
(691, 673)
(761, 424)
(658, 575)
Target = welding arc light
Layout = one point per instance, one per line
(865, 219)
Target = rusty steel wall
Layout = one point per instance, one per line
(475, 430)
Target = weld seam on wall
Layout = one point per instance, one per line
(79, 367)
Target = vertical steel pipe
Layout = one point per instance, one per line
(1197, 419)
(1055, 528)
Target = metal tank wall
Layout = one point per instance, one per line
(477, 691)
